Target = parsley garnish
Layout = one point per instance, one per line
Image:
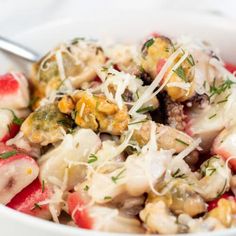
(146, 109)
(104, 69)
(148, 43)
(107, 197)
(73, 114)
(182, 142)
(92, 158)
(177, 174)
(76, 40)
(181, 73)
(211, 170)
(65, 122)
(190, 60)
(137, 122)
(36, 206)
(216, 90)
(86, 188)
(224, 100)
(117, 177)
(206, 169)
(16, 120)
(6, 155)
(43, 186)
(214, 115)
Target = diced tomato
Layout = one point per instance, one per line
(78, 211)
(13, 130)
(213, 204)
(28, 200)
(155, 34)
(8, 84)
(160, 64)
(17, 169)
(97, 79)
(230, 67)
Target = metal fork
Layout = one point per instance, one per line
(18, 50)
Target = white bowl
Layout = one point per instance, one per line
(119, 24)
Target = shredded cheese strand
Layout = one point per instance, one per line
(155, 83)
(189, 149)
(60, 65)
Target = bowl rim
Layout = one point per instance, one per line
(50, 226)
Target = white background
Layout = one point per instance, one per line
(23, 14)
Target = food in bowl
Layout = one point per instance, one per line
(122, 138)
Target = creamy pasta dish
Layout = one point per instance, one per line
(129, 138)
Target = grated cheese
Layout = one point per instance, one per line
(82, 109)
(220, 67)
(60, 65)
(181, 85)
(189, 149)
(149, 91)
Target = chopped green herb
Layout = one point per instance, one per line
(33, 101)
(181, 73)
(16, 120)
(104, 69)
(43, 186)
(73, 114)
(177, 174)
(190, 60)
(167, 49)
(181, 141)
(36, 206)
(76, 40)
(222, 101)
(148, 43)
(216, 90)
(9, 128)
(6, 155)
(117, 177)
(146, 109)
(214, 115)
(92, 158)
(138, 122)
(62, 83)
(107, 197)
(86, 188)
(211, 171)
(65, 122)
(206, 168)
(70, 131)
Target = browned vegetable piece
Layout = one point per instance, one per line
(224, 212)
(170, 138)
(45, 125)
(97, 113)
(66, 105)
(174, 112)
(181, 199)
(78, 61)
(155, 53)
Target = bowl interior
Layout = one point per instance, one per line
(122, 26)
(126, 26)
